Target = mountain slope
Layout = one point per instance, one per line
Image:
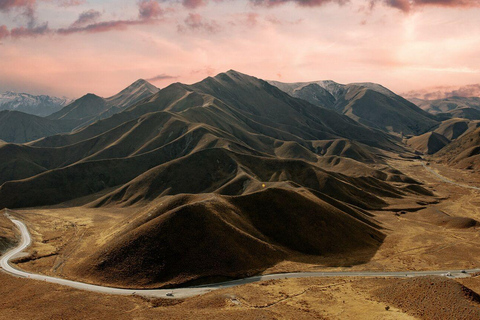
(428, 143)
(91, 107)
(225, 236)
(463, 152)
(19, 127)
(370, 104)
(447, 104)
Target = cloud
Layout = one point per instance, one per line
(161, 77)
(70, 3)
(303, 3)
(6, 5)
(149, 9)
(27, 7)
(30, 32)
(195, 22)
(192, 4)
(408, 5)
(149, 12)
(4, 32)
(87, 17)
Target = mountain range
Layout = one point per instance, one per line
(21, 127)
(229, 176)
(368, 103)
(41, 105)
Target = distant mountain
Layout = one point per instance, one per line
(19, 127)
(42, 105)
(447, 105)
(368, 103)
(91, 107)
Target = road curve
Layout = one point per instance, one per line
(197, 290)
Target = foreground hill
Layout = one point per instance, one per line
(368, 103)
(227, 236)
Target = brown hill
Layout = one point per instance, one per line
(7, 233)
(454, 128)
(463, 152)
(428, 143)
(427, 298)
(463, 113)
(226, 236)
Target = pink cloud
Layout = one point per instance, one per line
(194, 3)
(87, 17)
(6, 5)
(195, 22)
(304, 3)
(4, 32)
(30, 32)
(70, 3)
(149, 9)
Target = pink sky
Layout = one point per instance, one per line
(72, 47)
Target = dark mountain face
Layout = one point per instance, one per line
(367, 103)
(19, 127)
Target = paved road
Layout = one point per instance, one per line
(442, 178)
(197, 290)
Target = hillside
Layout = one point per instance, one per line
(428, 143)
(464, 152)
(19, 127)
(7, 234)
(454, 128)
(91, 107)
(370, 104)
(226, 237)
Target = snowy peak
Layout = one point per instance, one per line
(41, 105)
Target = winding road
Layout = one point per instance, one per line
(198, 290)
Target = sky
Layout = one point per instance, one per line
(73, 47)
